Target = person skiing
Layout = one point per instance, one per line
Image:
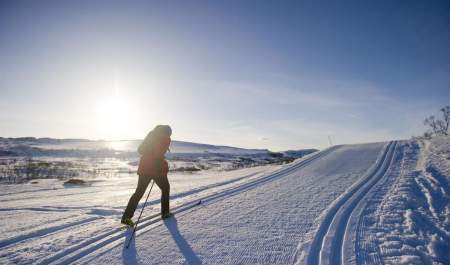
(152, 165)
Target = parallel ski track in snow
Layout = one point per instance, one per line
(327, 244)
(117, 236)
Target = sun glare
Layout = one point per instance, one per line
(115, 116)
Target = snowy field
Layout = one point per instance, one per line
(378, 203)
(25, 159)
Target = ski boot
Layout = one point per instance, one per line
(166, 215)
(127, 222)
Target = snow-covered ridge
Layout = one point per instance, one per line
(30, 146)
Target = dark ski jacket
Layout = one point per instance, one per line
(153, 162)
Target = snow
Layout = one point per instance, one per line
(25, 159)
(378, 203)
(407, 220)
(59, 217)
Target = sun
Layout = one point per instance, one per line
(115, 116)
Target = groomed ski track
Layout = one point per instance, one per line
(116, 236)
(261, 221)
(332, 238)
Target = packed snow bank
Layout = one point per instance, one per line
(407, 217)
(398, 215)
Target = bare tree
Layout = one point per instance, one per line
(432, 122)
(439, 127)
(445, 121)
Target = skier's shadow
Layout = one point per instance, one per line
(129, 255)
(184, 247)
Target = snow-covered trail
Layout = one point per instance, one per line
(43, 221)
(260, 222)
(72, 253)
(379, 203)
(332, 238)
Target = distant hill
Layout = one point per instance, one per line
(31, 146)
(188, 147)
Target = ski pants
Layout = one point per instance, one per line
(163, 184)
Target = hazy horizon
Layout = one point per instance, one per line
(248, 74)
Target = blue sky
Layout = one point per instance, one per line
(259, 74)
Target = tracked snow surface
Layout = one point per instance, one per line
(379, 203)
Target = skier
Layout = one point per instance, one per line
(152, 165)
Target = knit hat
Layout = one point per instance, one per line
(163, 130)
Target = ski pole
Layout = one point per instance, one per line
(139, 218)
